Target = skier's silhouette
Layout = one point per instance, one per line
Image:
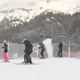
(28, 50)
(42, 49)
(60, 47)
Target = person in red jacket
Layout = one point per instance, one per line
(5, 47)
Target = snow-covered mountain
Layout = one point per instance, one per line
(30, 9)
(26, 10)
(20, 13)
(35, 13)
(62, 5)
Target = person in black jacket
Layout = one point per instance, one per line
(5, 47)
(28, 50)
(60, 47)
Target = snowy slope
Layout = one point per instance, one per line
(47, 69)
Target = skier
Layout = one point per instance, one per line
(28, 50)
(42, 50)
(5, 47)
(60, 47)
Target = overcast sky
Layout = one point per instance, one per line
(62, 5)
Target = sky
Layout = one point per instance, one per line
(60, 5)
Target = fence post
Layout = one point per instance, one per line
(69, 50)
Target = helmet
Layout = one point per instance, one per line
(23, 40)
(5, 41)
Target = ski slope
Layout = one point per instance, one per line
(47, 69)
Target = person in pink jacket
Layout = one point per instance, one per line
(5, 47)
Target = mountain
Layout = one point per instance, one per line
(46, 24)
(17, 16)
(20, 13)
(11, 18)
(24, 23)
(58, 5)
(35, 25)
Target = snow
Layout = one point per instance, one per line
(48, 45)
(27, 10)
(59, 5)
(21, 14)
(14, 8)
(42, 69)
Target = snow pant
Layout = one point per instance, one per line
(27, 58)
(5, 56)
(42, 54)
(60, 54)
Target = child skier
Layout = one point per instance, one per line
(5, 47)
